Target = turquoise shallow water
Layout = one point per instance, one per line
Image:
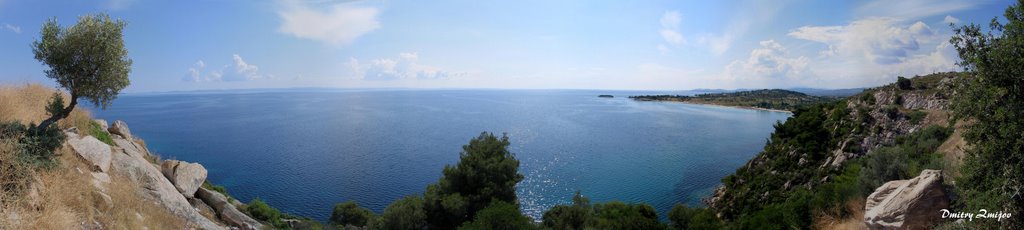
(304, 150)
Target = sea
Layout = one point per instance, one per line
(304, 150)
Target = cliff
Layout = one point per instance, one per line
(828, 154)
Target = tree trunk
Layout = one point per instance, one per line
(56, 117)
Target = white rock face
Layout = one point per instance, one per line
(907, 204)
(154, 186)
(186, 177)
(95, 152)
(226, 211)
(120, 128)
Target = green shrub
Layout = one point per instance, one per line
(917, 116)
(97, 131)
(406, 213)
(36, 147)
(904, 83)
(349, 213)
(500, 215)
(575, 216)
(263, 212)
(618, 215)
(682, 217)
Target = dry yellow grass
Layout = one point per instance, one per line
(26, 103)
(63, 197)
(855, 220)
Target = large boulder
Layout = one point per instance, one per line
(120, 128)
(154, 186)
(907, 204)
(186, 177)
(93, 151)
(130, 147)
(226, 211)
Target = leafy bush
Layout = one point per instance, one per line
(263, 212)
(36, 147)
(868, 98)
(904, 83)
(575, 216)
(618, 215)
(500, 215)
(406, 213)
(917, 116)
(349, 213)
(683, 217)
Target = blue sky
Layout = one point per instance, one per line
(650, 45)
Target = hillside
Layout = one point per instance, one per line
(772, 99)
(819, 166)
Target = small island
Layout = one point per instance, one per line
(605, 96)
(767, 99)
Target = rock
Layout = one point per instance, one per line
(120, 128)
(186, 177)
(154, 186)
(93, 151)
(130, 147)
(102, 201)
(907, 204)
(102, 123)
(100, 180)
(227, 211)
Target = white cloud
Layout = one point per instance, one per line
(340, 25)
(12, 28)
(880, 40)
(405, 67)
(913, 9)
(950, 19)
(768, 65)
(242, 71)
(670, 28)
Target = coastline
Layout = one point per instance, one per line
(720, 105)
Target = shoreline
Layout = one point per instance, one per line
(719, 105)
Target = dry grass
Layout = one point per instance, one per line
(854, 220)
(26, 103)
(64, 196)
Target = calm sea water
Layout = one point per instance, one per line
(304, 150)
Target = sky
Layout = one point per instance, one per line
(626, 45)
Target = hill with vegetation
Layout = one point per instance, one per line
(772, 99)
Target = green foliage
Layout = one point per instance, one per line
(868, 98)
(56, 105)
(89, 59)
(618, 215)
(406, 213)
(575, 216)
(216, 188)
(992, 98)
(682, 217)
(486, 171)
(904, 83)
(262, 211)
(917, 116)
(500, 215)
(97, 131)
(37, 147)
(349, 213)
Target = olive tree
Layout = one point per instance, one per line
(88, 60)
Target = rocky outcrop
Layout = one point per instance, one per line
(227, 211)
(93, 151)
(119, 127)
(103, 123)
(154, 186)
(907, 204)
(186, 177)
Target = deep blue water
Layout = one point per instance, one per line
(304, 150)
